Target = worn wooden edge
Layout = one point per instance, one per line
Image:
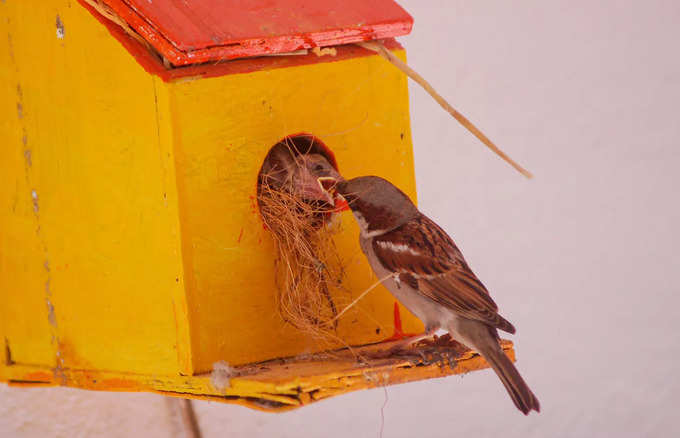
(256, 46)
(151, 63)
(273, 386)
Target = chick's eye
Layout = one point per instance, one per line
(318, 167)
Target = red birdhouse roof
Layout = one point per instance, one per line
(197, 31)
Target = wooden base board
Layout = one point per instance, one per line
(281, 384)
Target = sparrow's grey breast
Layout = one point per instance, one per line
(429, 312)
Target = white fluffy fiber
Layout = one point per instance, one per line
(221, 373)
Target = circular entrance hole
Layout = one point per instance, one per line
(283, 174)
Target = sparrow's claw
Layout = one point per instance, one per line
(432, 357)
(442, 358)
(426, 351)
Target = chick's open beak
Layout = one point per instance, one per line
(310, 190)
(323, 189)
(327, 184)
(330, 186)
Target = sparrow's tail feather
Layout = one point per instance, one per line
(519, 391)
(505, 325)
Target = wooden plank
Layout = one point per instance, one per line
(208, 30)
(152, 64)
(25, 281)
(90, 264)
(277, 385)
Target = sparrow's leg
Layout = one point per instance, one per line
(401, 348)
(441, 350)
(406, 343)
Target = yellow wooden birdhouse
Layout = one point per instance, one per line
(132, 253)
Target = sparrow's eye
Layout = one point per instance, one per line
(318, 168)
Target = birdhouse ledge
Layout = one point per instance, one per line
(282, 384)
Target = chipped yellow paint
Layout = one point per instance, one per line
(22, 273)
(90, 244)
(131, 253)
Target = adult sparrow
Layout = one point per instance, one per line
(427, 273)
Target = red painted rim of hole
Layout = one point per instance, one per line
(317, 143)
(196, 34)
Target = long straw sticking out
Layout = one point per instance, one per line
(380, 49)
(363, 294)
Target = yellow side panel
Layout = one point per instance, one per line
(223, 128)
(92, 222)
(25, 333)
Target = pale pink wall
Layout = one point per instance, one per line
(583, 259)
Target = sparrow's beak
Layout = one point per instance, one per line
(330, 186)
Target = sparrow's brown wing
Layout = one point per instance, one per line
(428, 260)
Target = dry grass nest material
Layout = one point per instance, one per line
(309, 267)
